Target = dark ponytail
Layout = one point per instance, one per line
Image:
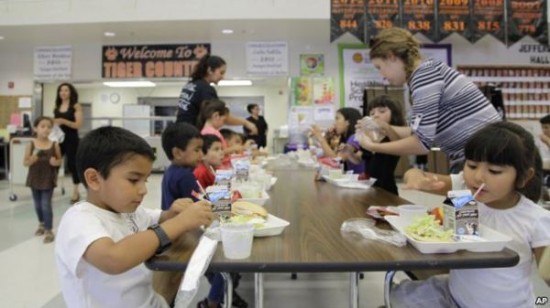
(205, 63)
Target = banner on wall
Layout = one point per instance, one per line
(151, 61)
(53, 62)
(381, 15)
(527, 18)
(419, 17)
(506, 20)
(357, 71)
(488, 18)
(453, 16)
(347, 16)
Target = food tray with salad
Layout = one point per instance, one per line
(426, 235)
(265, 224)
(349, 183)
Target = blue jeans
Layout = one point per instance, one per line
(216, 286)
(43, 206)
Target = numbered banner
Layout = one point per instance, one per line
(527, 17)
(347, 16)
(488, 18)
(419, 17)
(453, 17)
(381, 14)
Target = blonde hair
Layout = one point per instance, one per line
(398, 42)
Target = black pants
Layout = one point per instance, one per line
(68, 149)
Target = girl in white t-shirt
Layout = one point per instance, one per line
(503, 157)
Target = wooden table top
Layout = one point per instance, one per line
(313, 241)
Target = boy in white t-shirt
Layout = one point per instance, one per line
(103, 241)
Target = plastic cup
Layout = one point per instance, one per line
(237, 240)
(411, 211)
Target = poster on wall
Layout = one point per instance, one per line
(323, 91)
(267, 58)
(312, 65)
(301, 91)
(356, 73)
(527, 18)
(151, 61)
(53, 63)
(453, 16)
(324, 113)
(419, 17)
(300, 116)
(347, 16)
(381, 15)
(488, 18)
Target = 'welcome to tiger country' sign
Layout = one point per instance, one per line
(151, 61)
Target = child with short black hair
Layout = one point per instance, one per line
(212, 158)
(504, 169)
(43, 157)
(102, 242)
(182, 144)
(543, 143)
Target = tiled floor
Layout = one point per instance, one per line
(28, 277)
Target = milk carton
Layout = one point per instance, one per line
(460, 213)
(220, 197)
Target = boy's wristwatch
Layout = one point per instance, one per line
(164, 241)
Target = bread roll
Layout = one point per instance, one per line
(248, 208)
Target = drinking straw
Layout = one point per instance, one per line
(478, 190)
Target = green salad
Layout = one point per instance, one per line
(258, 222)
(428, 229)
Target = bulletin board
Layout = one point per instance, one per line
(9, 105)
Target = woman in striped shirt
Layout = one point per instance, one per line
(447, 108)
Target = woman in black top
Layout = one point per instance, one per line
(68, 115)
(210, 69)
(261, 125)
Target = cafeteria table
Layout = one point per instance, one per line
(313, 241)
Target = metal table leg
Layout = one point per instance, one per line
(387, 288)
(259, 290)
(228, 294)
(354, 290)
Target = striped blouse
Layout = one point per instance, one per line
(447, 109)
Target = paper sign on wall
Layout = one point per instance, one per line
(52, 62)
(267, 58)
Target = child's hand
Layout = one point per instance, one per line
(179, 205)
(196, 214)
(53, 161)
(316, 132)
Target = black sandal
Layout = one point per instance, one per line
(204, 304)
(238, 301)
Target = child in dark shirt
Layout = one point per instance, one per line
(182, 143)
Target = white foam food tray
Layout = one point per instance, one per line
(273, 226)
(347, 183)
(489, 240)
(259, 201)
